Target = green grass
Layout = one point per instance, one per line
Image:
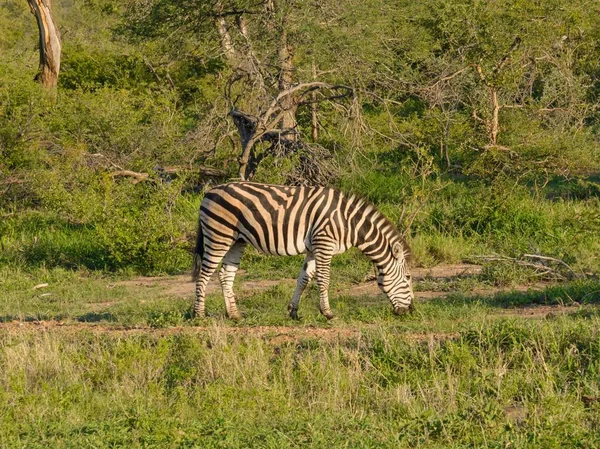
(129, 368)
(493, 384)
(152, 230)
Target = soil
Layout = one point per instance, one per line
(181, 286)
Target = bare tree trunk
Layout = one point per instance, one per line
(246, 160)
(286, 78)
(492, 125)
(247, 130)
(50, 45)
(314, 107)
(226, 44)
(495, 123)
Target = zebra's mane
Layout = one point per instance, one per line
(360, 201)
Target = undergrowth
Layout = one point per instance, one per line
(506, 384)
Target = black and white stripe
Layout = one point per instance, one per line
(317, 221)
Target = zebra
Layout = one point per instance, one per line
(284, 220)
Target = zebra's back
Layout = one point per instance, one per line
(274, 219)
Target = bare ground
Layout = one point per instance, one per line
(181, 286)
(272, 334)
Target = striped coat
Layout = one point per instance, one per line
(281, 220)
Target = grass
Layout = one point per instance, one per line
(129, 368)
(117, 362)
(125, 227)
(508, 383)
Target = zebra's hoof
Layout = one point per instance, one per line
(293, 313)
(327, 314)
(235, 316)
(198, 314)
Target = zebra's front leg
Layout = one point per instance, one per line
(231, 263)
(323, 263)
(308, 271)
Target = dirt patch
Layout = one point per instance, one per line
(275, 334)
(182, 286)
(446, 271)
(537, 311)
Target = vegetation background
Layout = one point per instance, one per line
(474, 125)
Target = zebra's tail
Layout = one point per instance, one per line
(198, 253)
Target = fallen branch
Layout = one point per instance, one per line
(11, 181)
(137, 177)
(541, 264)
(551, 259)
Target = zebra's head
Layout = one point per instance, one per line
(394, 277)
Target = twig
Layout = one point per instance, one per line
(137, 177)
(551, 259)
(542, 268)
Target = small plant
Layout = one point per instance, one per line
(161, 319)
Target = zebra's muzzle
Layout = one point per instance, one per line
(404, 310)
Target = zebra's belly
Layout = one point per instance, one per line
(279, 248)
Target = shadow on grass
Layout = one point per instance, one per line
(95, 317)
(31, 318)
(580, 292)
(575, 188)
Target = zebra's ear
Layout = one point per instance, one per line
(397, 250)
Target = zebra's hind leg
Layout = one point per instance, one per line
(205, 273)
(210, 261)
(231, 263)
(308, 271)
(323, 262)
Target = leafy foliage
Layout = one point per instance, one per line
(143, 87)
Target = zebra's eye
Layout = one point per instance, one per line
(397, 250)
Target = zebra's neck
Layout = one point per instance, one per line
(370, 232)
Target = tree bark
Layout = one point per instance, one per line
(226, 43)
(495, 123)
(286, 79)
(50, 45)
(314, 107)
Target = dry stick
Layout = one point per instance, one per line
(313, 107)
(107, 160)
(552, 259)
(543, 269)
(137, 177)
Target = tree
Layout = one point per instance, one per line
(50, 44)
(257, 41)
(509, 76)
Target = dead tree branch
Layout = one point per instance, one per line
(137, 177)
(270, 125)
(543, 266)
